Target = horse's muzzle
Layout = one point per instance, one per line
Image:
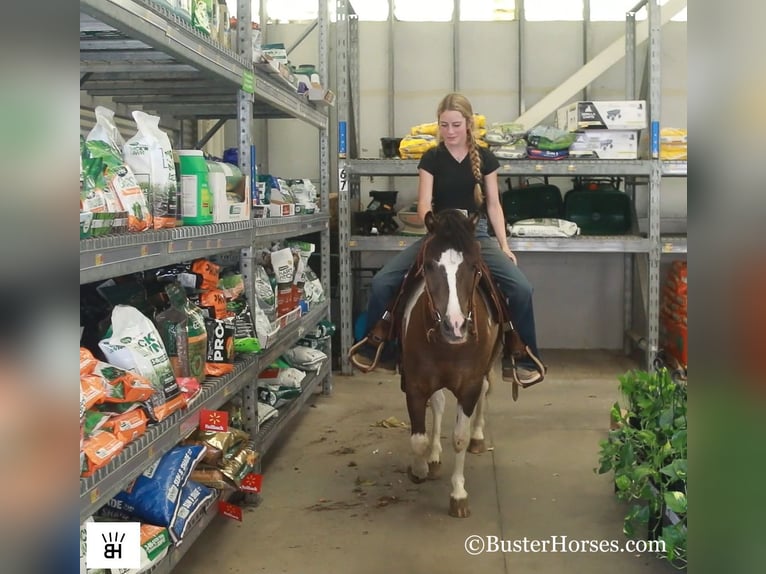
(454, 332)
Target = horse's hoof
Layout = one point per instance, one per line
(477, 446)
(413, 477)
(434, 469)
(458, 507)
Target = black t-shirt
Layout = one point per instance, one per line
(453, 181)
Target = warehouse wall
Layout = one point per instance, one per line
(579, 297)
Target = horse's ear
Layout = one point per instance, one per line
(430, 221)
(474, 218)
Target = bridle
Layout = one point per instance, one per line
(436, 317)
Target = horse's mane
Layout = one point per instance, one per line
(456, 230)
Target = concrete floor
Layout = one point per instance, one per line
(336, 497)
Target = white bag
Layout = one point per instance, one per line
(545, 227)
(150, 155)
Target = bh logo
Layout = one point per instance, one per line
(113, 545)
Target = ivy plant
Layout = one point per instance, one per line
(647, 452)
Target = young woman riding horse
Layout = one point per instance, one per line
(457, 174)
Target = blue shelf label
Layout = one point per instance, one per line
(655, 140)
(342, 140)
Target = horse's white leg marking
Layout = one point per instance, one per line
(438, 400)
(477, 422)
(419, 443)
(460, 442)
(451, 260)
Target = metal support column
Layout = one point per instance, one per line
(456, 48)
(521, 52)
(324, 172)
(655, 181)
(344, 215)
(249, 393)
(630, 259)
(354, 88)
(585, 55)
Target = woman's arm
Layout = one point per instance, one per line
(495, 213)
(425, 193)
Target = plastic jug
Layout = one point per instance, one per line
(197, 201)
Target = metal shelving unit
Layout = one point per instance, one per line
(143, 55)
(96, 490)
(645, 251)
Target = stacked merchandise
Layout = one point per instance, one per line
(425, 136)
(549, 143)
(284, 288)
(507, 140)
(673, 313)
(673, 144)
(148, 344)
(603, 129)
(137, 185)
(278, 197)
(281, 382)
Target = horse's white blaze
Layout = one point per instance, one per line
(450, 261)
(460, 442)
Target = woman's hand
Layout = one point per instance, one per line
(510, 254)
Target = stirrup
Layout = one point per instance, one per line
(539, 367)
(354, 348)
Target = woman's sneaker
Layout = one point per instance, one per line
(527, 374)
(363, 359)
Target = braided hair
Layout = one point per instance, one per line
(459, 103)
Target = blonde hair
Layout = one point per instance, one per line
(456, 102)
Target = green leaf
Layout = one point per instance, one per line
(643, 471)
(622, 482)
(676, 501)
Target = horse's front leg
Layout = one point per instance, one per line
(477, 444)
(438, 401)
(458, 501)
(416, 406)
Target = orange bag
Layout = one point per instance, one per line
(99, 449)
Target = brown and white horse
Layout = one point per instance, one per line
(450, 341)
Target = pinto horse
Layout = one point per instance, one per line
(450, 340)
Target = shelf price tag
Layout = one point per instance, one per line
(230, 510)
(144, 250)
(217, 421)
(251, 483)
(98, 259)
(248, 82)
(94, 496)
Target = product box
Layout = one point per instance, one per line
(606, 144)
(225, 209)
(600, 115)
(281, 209)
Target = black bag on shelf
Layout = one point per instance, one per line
(533, 201)
(599, 207)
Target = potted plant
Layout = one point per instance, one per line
(646, 449)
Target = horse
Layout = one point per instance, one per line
(450, 340)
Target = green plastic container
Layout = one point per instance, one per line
(197, 201)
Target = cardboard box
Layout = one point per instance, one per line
(600, 115)
(224, 210)
(606, 144)
(281, 209)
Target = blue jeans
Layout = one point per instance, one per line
(512, 282)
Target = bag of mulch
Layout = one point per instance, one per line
(150, 156)
(194, 499)
(155, 544)
(154, 496)
(183, 331)
(105, 142)
(136, 345)
(264, 293)
(220, 347)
